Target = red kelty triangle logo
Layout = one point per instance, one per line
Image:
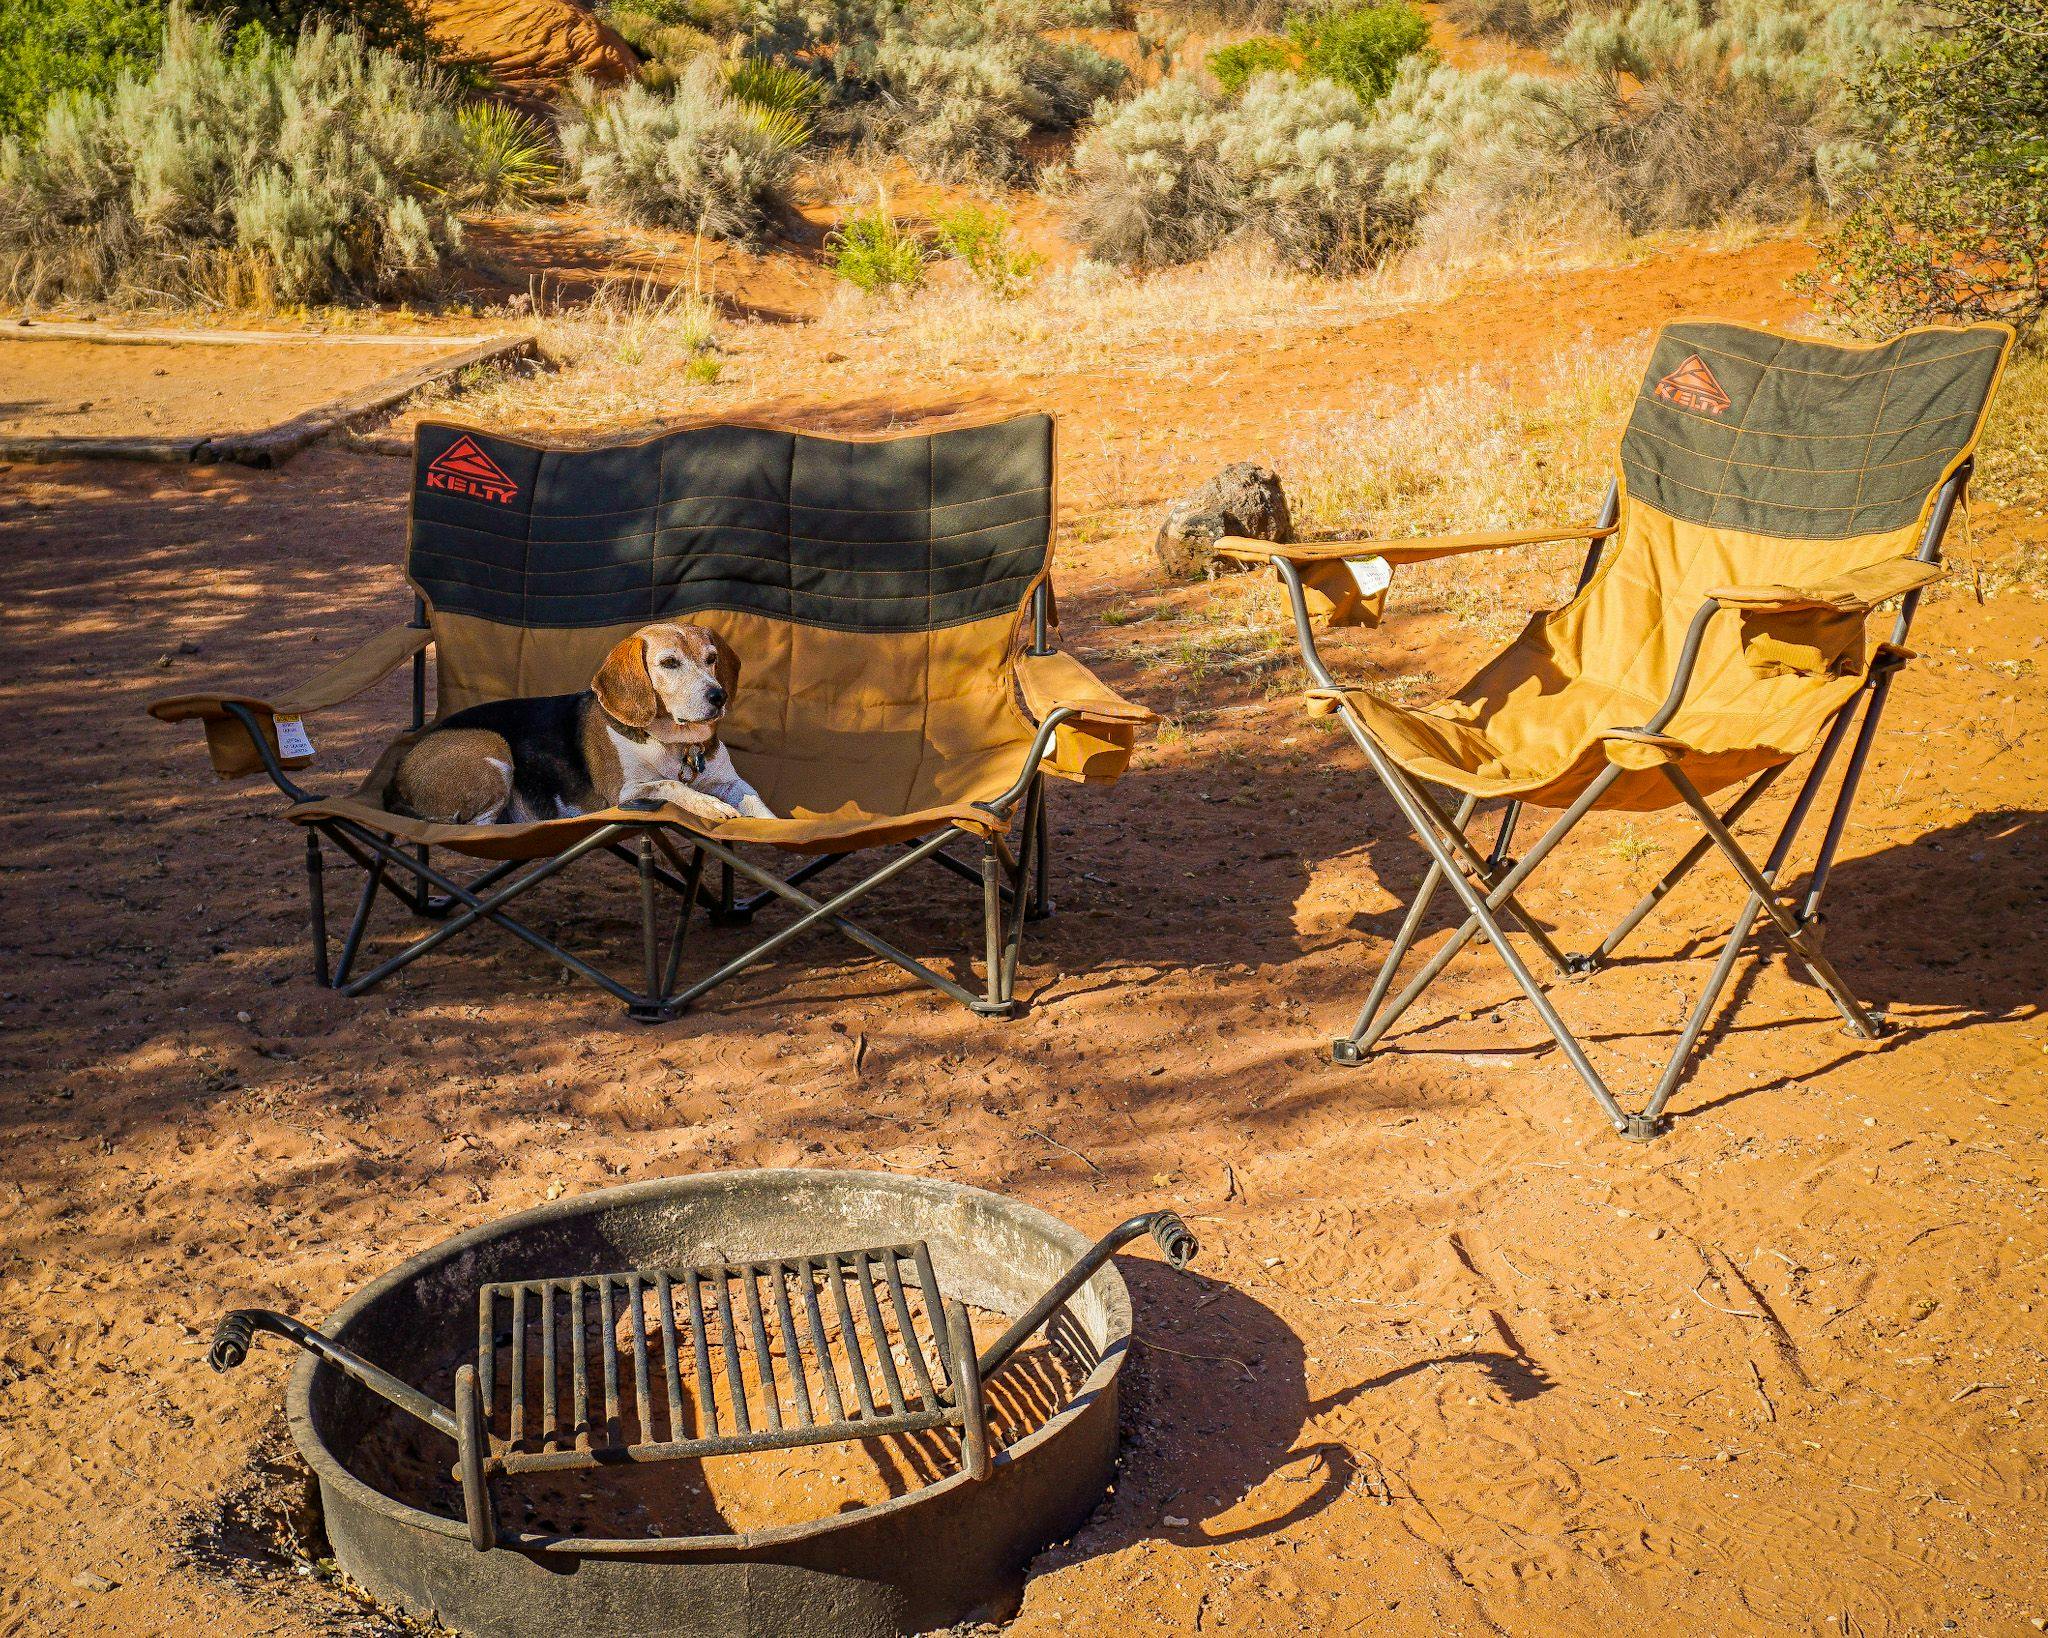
(464, 469)
(1692, 386)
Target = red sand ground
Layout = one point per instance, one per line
(79, 389)
(1453, 1359)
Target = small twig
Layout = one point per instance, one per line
(1932, 1228)
(1757, 1376)
(1504, 1257)
(1032, 1131)
(1213, 1359)
(1739, 1313)
(1975, 1387)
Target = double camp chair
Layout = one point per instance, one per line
(877, 592)
(1771, 493)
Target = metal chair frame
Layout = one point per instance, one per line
(1486, 884)
(1014, 882)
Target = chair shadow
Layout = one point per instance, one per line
(1938, 933)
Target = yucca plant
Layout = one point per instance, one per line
(508, 153)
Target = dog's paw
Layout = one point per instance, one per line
(752, 807)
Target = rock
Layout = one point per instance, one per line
(531, 45)
(1242, 499)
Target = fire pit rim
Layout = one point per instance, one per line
(330, 1470)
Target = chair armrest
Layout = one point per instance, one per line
(227, 741)
(1420, 549)
(1856, 592)
(1098, 727)
(1050, 682)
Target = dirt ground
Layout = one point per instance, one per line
(1453, 1358)
(82, 389)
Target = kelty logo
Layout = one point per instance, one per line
(465, 469)
(1692, 386)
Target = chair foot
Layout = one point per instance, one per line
(995, 1009)
(1642, 1128)
(1582, 966)
(1880, 1026)
(652, 1012)
(1347, 1052)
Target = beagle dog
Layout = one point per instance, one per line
(645, 732)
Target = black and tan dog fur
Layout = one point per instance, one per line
(645, 730)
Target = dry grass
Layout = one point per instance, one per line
(634, 354)
(1164, 326)
(1474, 452)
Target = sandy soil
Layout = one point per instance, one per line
(1453, 1358)
(79, 389)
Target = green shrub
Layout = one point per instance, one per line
(320, 170)
(506, 155)
(1360, 47)
(1235, 65)
(695, 158)
(50, 46)
(1175, 172)
(1679, 120)
(983, 238)
(1477, 136)
(1950, 219)
(955, 87)
(872, 251)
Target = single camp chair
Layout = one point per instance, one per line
(1772, 492)
(877, 593)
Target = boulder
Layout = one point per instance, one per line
(530, 45)
(1243, 499)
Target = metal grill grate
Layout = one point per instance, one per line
(650, 1365)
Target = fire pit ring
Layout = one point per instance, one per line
(954, 1550)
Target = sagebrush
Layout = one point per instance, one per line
(954, 87)
(693, 157)
(1176, 172)
(319, 170)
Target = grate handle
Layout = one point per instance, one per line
(236, 1334)
(1176, 1243)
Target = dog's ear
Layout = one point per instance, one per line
(725, 666)
(623, 687)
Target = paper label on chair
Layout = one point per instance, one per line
(1372, 575)
(292, 739)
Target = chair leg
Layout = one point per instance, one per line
(1481, 907)
(1500, 894)
(1041, 904)
(992, 930)
(373, 878)
(1487, 872)
(1351, 1049)
(1594, 960)
(316, 894)
(1764, 896)
(1029, 863)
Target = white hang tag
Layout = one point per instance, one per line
(1372, 575)
(292, 739)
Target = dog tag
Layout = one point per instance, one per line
(292, 739)
(1372, 575)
